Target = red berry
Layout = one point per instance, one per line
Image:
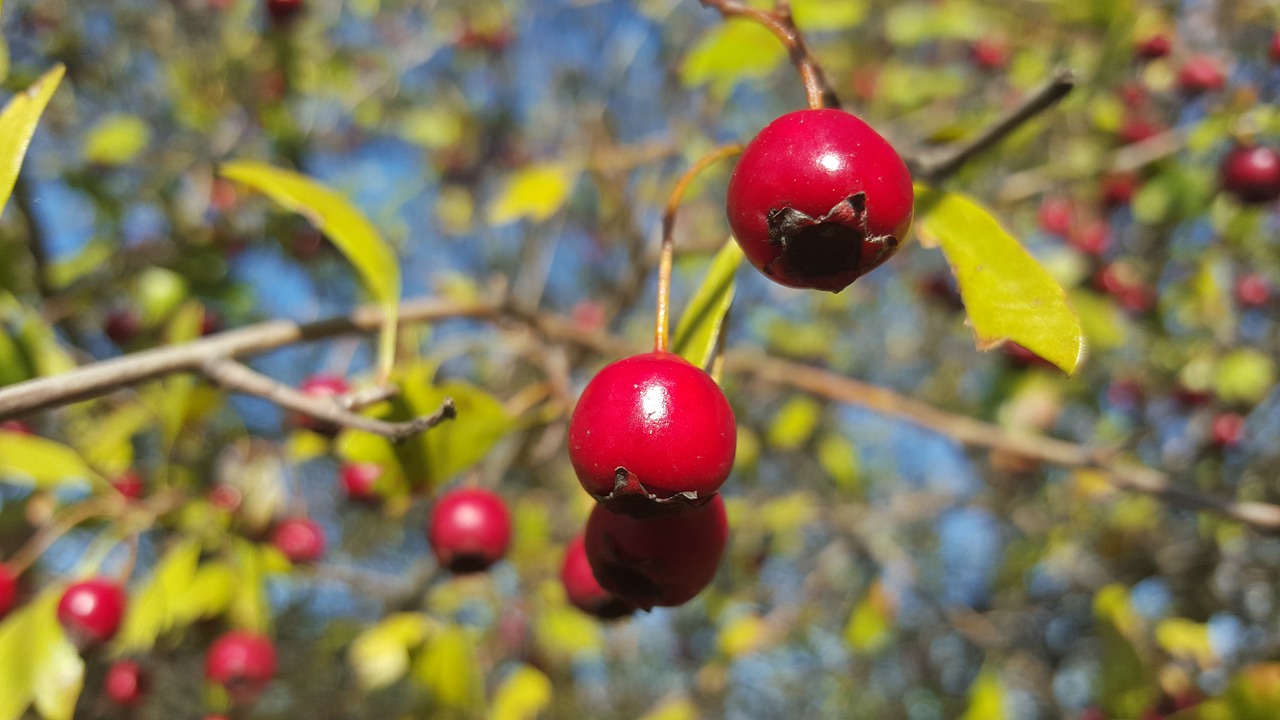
(242, 662)
(225, 497)
(282, 11)
(1253, 290)
(582, 588)
(1021, 357)
(818, 199)
(122, 326)
(1133, 94)
(125, 684)
(1118, 189)
(8, 589)
(360, 481)
(1057, 216)
(1092, 239)
(1273, 50)
(321, 386)
(1156, 46)
(300, 539)
(16, 426)
(91, 611)
(655, 561)
(1227, 429)
(129, 484)
(1252, 173)
(652, 430)
(1201, 74)
(470, 529)
(1136, 129)
(990, 54)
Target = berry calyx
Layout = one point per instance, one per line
(321, 386)
(242, 662)
(91, 611)
(299, 539)
(129, 484)
(8, 589)
(656, 561)
(125, 683)
(652, 433)
(1201, 74)
(470, 530)
(582, 588)
(819, 199)
(1251, 173)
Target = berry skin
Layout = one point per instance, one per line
(360, 480)
(1253, 290)
(582, 588)
(91, 611)
(321, 386)
(129, 484)
(652, 433)
(1091, 239)
(1136, 129)
(125, 683)
(1251, 173)
(1118, 190)
(8, 589)
(300, 539)
(470, 529)
(657, 561)
(242, 662)
(1201, 74)
(819, 199)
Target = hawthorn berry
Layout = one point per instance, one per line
(1057, 215)
(1201, 74)
(1118, 189)
(1092, 238)
(652, 433)
(582, 588)
(470, 529)
(360, 480)
(1273, 49)
(1137, 129)
(819, 199)
(8, 589)
(1253, 290)
(129, 484)
(122, 326)
(91, 611)
(321, 386)
(16, 426)
(125, 683)
(1227, 429)
(300, 539)
(283, 11)
(990, 53)
(1151, 48)
(242, 662)
(656, 561)
(1251, 173)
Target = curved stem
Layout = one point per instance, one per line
(66, 521)
(667, 260)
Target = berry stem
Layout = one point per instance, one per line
(667, 259)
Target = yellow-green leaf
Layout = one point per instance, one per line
(380, 655)
(870, 626)
(794, 423)
(348, 228)
(18, 123)
(59, 677)
(1007, 294)
(535, 192)
(698, 331)
(828, 15)
(153, 610)
(249, 608)
(986, 697)
(116, 140)
(1186, 640)
(839, 458)
(31, 459)
(741, 635)
(732, 51)
(107, 441)
(37, 662)
(522, 696)
(448, 667)
(564, 632)
(1244, 376)
(677, 709)
(209, 594)
(1254, 693)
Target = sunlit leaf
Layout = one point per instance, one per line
(18, 123)
(116, 140)
(1244, 376)
(732, 51)
(448, 667)
(678, 709)
(35, 460)
(1254, 693)
(986, 697)
(37, 661)
(381, 654)
(1125, 682)
(107, 441)
(152, 610)
(209, 594)
(524, 694)
(870, 626)
(1186, 640)
(828, 15)
(839, 458)
(698, 331)
(351, 232)
(534, 192)
(794, 423)
(1007, 294)
(59, 676)
(249, 608)
(741, 635)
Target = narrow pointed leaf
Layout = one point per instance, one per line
(35, 460)
(698, 331)
(18, 123)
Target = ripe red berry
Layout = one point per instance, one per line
(470, 529)
(990, 54)
(656, 561)
(282, 11)
(652, 433)
(1091, 239)
(1201, 74)
(122, 326)
(225, 497)
(242, 662)
(91, 611)
(125, 683)
(818, 199)
(16, 426)
(1251, 173)
(1022, 358)
(1118, 189)
(360, 480)
(8, 589)
(300, 539)
(1057, 216)
(129, 484)
(582, 588)
(1136, 129)
(321, 386)
(1156, 46)
(1227, 429)
(1273, 50)
(1253, 290)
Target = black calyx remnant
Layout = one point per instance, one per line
(828, 252)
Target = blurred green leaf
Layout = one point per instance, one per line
(698, 331)
(870, 626)
(106, 441)
(348, 228)
(1244, 376)
(986, 697)
(914, 23)
(1126, 686)
(208, 595)
(732, 51)
(828, 15)
(534, 192)
(4, 58)
(1007, 294)
(839, 458)
(744, 633)
(1254, 693)
(448, 667)
(35, 460)
(1105, 325)
(380, 655)
(59, 675)
(92, 257)
(116, 140)
(159, 293)
(523, 695)
(794, 423)
(677, 709)
(37, 661)
(564, 632)
(153, 609)
(249, 608)
(18, 123)
(1186, 640)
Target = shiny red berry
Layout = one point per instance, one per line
(321, 386)
(1253, 290)
(1151, 48)
(8, 589)
(300, 539)
(1251, 173)
(125, 683)
(818, 199)
(652, 433)
(1201, 74)
(470, 529)
(657, 561)
(1227, 429)
(129, 484)
(242, 662)
(582, 588)
(91, 611)
(360, 481)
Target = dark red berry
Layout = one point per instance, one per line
(210, 323)
(1156, 46)
(939, 288)
(321, 386)
(652, 433)
(8, 589)
(16, 426)
(283, 11)
(1057, 216)
(990, 54)
(656, 561)
(125, 683)
(470, 529)
(129, 484)
(1227, 429)
(122, 326)
(1251, 173)
(242, 662)
(582, 588)
(300, 539)
(1022, 358)
(1091, 239)
(818, 199)
(1201, 74)
(360, 481)
(1118, 189)
(1273, 50)
(91, 611)
(1253, 290)
(1136, 129)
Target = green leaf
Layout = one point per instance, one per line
(1244, 376)
(153, 610)
(350, 231)
(209, 594)
(794, 423)
(17, 125)
(828, 15)
(116, 140)
(839, 458)
(732, 51)
(535, 192)
(698, 331)
(1006, 293)
(380, 655)
(106, 442)
(37, 661)
(249, 608)
(870, 626)
(1254, 693)
(986, 697)
(60, 676)
(448, 667)
(522, 696)
(41, 462)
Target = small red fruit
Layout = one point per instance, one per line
(1201, 74)
(300, 539)
(242, 662)
(321, 386)
(582, 588)
(1156, 46)
(129, 484)
(125, 683)
(8, 589)
(1273, 50)
(819, 199)
(1227, 429)
(1118, 190)
(990, 54)
(91, 611)
(650, 433)
(470, 529)
(122, 326)
(283, 11)
(1092, 239)
(16, 426)
(1023, 358)
(1251, 173)
(1253, 290)
(360, 481)
(1137, 129)
(225, 497)
(657, 561)
(1057, 216)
